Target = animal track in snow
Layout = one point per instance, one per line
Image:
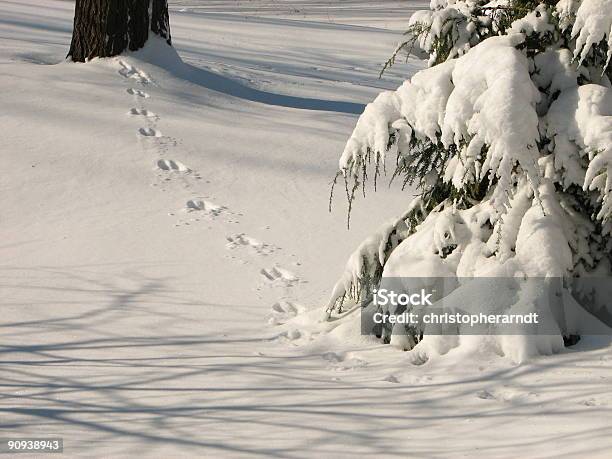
(285, 307)
(277, 274)
(142, 112)
(485, 395)
(282, 312)
(332, 357)
(129, 71)
(198, 205)
(149, 132)
(290, 336)
(172, 166)
(591, 402)
(351, 364)
(138, 93)
(343, 362)
(242, 240)
(507, 394)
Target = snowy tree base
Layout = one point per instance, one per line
(478, 254)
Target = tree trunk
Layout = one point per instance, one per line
(104, 28)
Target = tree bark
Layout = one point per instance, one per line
(104, 28)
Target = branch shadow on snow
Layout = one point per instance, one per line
(113, 353)
(158, 53)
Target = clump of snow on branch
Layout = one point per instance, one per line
(454, 24)
(580, 122)
(482, 101)
(537, 21)
(592, 24)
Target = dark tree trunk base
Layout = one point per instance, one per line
(105, 28)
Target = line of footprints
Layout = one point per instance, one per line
(199, 208)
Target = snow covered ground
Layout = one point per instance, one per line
(155, 215)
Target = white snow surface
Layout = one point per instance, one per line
(166, 245)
